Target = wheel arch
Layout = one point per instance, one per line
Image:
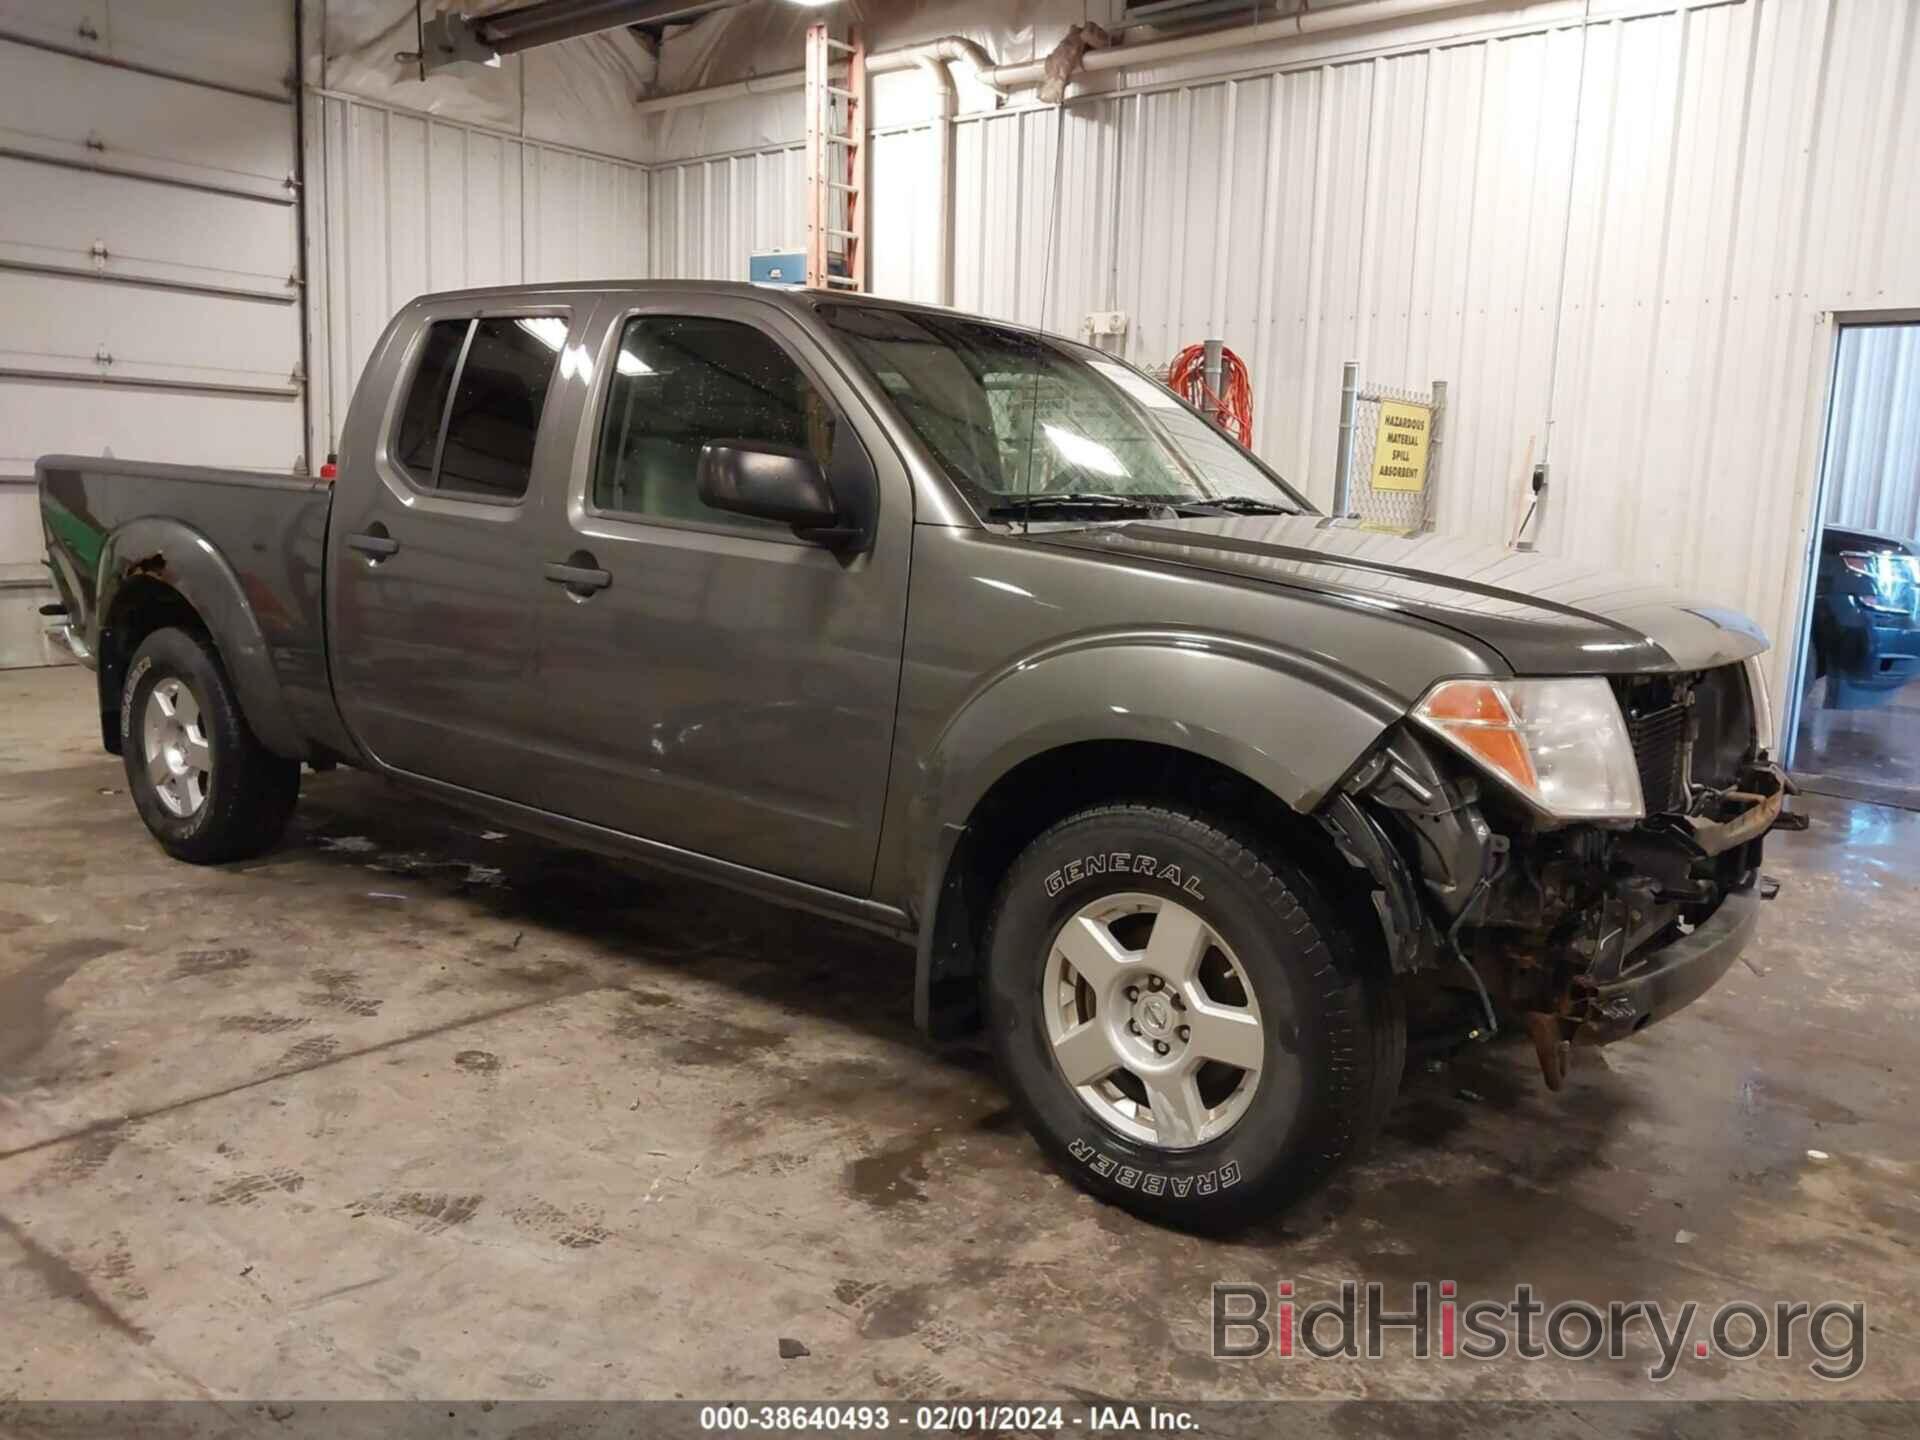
(1263, 733)
(157, 572)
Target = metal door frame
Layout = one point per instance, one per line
(1829, 330)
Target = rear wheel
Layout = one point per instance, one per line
(1183, 1023)
(206, 787)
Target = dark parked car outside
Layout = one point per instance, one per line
(1865, 636)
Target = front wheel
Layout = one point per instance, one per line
(207, 788)
(1183, 1025)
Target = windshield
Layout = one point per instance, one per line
(1019, 420)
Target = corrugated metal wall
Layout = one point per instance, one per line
(407, 204)
(1873, 446)
(710, 214)
(1632, 231)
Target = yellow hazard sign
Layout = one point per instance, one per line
(1400, 448)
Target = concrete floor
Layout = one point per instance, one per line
(1869, 751)
(411, 1109)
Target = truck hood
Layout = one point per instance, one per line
(1542, 615)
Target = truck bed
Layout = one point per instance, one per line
(247, 546)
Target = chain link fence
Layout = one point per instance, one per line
(1388, 468)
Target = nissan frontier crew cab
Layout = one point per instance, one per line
(1196, 800)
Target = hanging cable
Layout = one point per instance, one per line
(1232, 408)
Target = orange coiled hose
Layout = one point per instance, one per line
(1232, 408)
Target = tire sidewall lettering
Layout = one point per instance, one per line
(128, 691)
(1151, 1182)
(1114, 865)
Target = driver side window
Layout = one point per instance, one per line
(681, 381)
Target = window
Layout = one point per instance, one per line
(680, 381)
(419, 437)
(481, 444)
(1009, 413)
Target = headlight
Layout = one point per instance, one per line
(1762, 704)
(1561, 743)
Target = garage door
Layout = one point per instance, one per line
(148, 245)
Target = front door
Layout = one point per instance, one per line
(705, 679)
(432, 578)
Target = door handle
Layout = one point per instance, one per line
(581, 579)
(374, 546)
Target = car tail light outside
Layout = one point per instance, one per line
(1886, 568)
(1562, 744)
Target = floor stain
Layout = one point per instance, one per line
(116, 1267)
(429, 1212)
(248, 1188)
(81, 1160)
(578, 1230)
(64, 1282)
(340, 990)
(261, 1023)
(195, 963)
(479, 1061)
(635, 1022)
(27, 1016)
(894, 1174)
(720, 1042)
(891, 1313)
(310, 1051)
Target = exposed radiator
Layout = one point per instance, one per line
(1659, 748)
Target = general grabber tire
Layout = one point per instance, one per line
(1142, 958)
(208, 790)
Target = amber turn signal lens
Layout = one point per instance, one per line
(1560, 743)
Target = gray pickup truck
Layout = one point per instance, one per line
(1196, 800)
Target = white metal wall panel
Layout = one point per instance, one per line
(709, 215)
(406, 204)
(1873, 458)
(901, 237)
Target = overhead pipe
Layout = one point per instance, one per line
(956, 49)
(947, 102)
(1235, 37)
(1002, 79)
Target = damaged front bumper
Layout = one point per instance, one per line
(1580, 934)
(1687, 909)
(1673, 975)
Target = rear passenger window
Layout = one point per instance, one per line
(680, 381)
(480, 445)
(419, 438)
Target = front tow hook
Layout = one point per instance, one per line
(1552, 1046)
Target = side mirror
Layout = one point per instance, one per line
(770, 482)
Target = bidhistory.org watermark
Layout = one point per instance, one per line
(1428, 1320)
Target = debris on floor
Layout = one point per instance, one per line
(792, 1349)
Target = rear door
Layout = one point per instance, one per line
(432, 564)
(727, 688)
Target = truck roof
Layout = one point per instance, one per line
(798, 298)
